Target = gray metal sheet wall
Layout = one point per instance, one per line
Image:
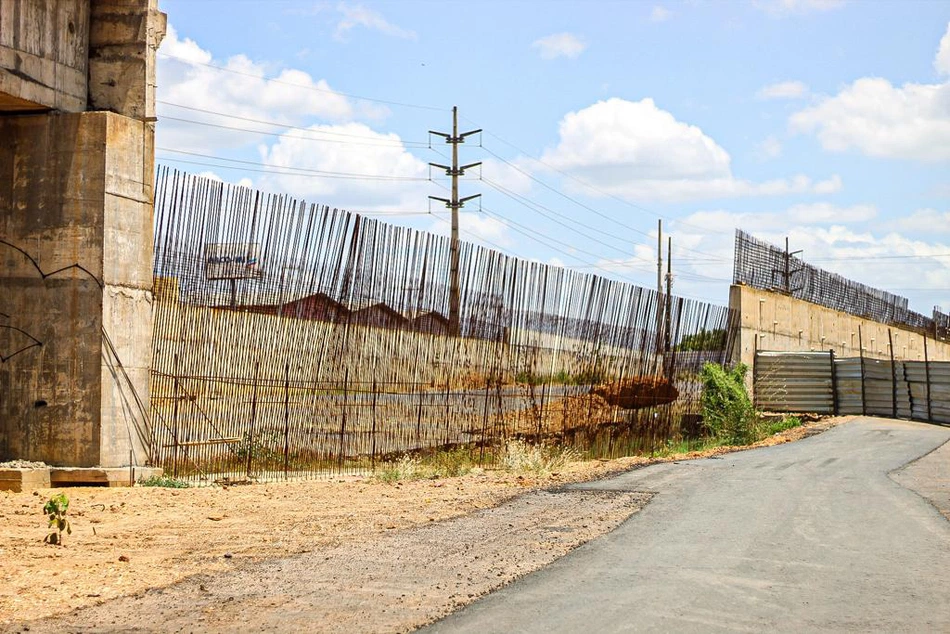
(794, 382)
(803, 382)
(848, 384)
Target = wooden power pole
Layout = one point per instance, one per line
(659, 286)
(455, 170)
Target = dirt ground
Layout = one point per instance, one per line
(126, 541)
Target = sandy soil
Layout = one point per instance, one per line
(126, 541)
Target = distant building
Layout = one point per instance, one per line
(376, 314)
(429, 321)
(319, 307)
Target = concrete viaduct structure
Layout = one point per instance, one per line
(77, 113)
(778, 322)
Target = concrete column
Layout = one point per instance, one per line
(76, 221)
(73, 198)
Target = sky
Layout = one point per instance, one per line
(823, 121)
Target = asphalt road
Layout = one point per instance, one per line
(808, 536)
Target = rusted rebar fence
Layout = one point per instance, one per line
(766, 266)
(295, 340)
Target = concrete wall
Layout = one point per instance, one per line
(44, 54)
(76, 197)
(73, 191)
(123, 37)
(74, 55)
(784, 323)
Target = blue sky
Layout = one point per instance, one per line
(823, 120)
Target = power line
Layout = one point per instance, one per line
(301, 86)
(596, 189)
(577, 202)
(528, 232)
(208, 124)
(369, 140)
(536, 207)
(307, 171)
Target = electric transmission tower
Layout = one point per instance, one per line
(455, 203)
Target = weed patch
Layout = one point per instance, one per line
(406, 468)
(778, 426)
(521, 457)
(167, 482)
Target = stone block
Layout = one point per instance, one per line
(19, 480)
(111, 477)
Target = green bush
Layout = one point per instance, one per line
(727, 410)
(704, 340)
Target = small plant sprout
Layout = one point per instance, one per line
(55, 508)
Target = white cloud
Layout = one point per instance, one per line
(878, 119)
(770, 148)
(478, 228)
(660, 14)
(783, 8)
(925, 221)
(376, 174)
(641, 152)
(356, 15)
(186, 80)
(187, 49)
(513, 176)
(812, 215)
(818, 213)
(871, 115)
(942, 60)
(830, 186)
(890, 261)
(783, 90)
(559, 45)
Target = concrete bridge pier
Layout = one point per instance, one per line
(77, 119)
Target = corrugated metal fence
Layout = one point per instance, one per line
(820, 382)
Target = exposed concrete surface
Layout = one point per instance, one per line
(123, 37)
(784, 323)
(390, 584)
(806, 536)
(76, 199)
(44, 55)
(75, 189)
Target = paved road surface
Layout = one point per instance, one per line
(813, 535)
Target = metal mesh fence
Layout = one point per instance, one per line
(763, 265)
(295, 340)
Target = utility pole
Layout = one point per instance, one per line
(659, 285)
(454, 204)
(787, 275)
(669, 294)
